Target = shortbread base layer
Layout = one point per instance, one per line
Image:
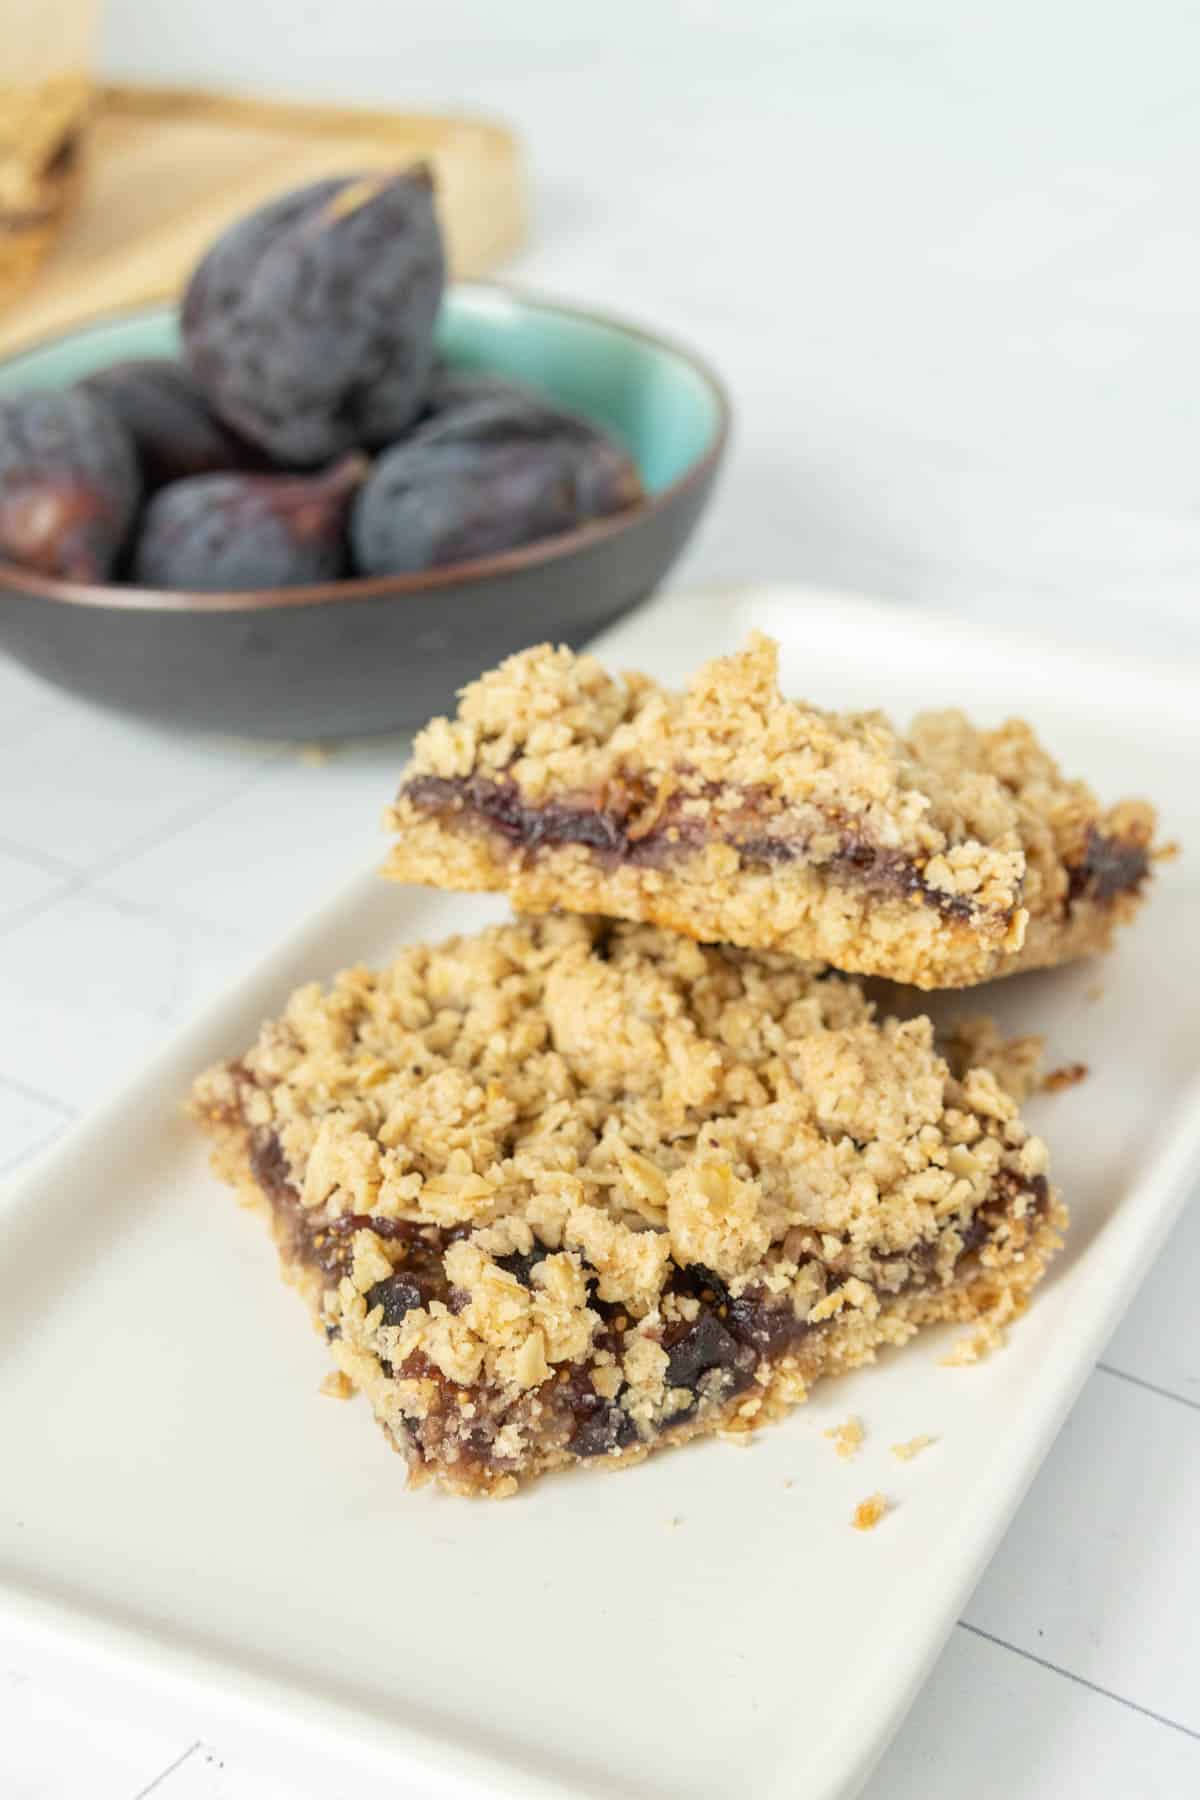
(791, 908)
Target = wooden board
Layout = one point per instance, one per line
(166, 170)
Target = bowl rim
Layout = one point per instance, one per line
(26, 583)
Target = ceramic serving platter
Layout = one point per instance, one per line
(179, 1501)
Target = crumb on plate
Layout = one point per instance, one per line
(912, 1447)
(1068, 1076)
(870, 1511)
(847, 1437)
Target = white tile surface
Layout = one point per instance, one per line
(1091, 1575)
(92, 983)
(94, 788)
(26, 884)
(62, 1718)
(48, 1737)
(260, 862)
(993, 1725)
(29, 1122)
(208, 1774)
(1158, 1340)
(23, 702)
(950, 271)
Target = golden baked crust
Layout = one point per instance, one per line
(734, 815)
(569, 1189)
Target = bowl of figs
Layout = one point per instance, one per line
(316, 496)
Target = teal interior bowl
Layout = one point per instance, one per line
(363, 655)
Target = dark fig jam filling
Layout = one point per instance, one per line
(711, 1358)
(615, 833)
(1110, 866)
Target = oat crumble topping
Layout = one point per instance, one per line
(987, 1335)
(977, 1042)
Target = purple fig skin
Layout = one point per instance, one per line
(605, 475)
(174, 430)
(450, 388)
(215, 534)
(424, 509)
(309, 325)
(69, 484)
(498, 471)
(485, 409)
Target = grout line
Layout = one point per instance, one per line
(11, 1166)
(33, 909)
(169, 1770)
(39, 1097)
(170, 910)
(1151, 1387)
(41, 859)
(166, 912)
(1093, 1687)
(82, 875)
(156, 911)
(185, 820)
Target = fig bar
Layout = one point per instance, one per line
(572, 1189)
(727, 812)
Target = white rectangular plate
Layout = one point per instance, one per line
(178, 1497)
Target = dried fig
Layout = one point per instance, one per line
(174, 430)
(222, 533)
(450, 386)
(489, 475)
(69, 483)
(605, 475)
(309, 325)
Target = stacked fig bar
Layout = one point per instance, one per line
(645, 1163)
(732, 814)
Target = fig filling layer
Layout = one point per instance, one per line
(712, 1358)
(617, 833)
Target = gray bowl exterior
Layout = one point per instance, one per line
(350, 665)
